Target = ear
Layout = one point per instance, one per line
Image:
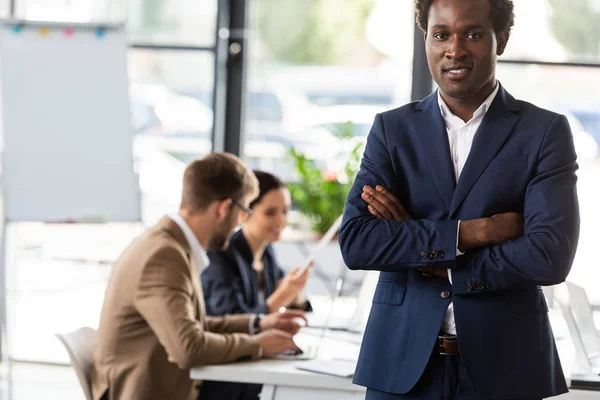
(502, 39)
(223, 208)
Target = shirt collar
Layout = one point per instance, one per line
(482, 110)
(198, 253)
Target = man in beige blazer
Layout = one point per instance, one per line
(153, 325)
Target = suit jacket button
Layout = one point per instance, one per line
(423, 254)
(431, 255)
(445, 295)
(441, 254)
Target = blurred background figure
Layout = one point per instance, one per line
(246, 278)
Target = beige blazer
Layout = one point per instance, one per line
(153, 325)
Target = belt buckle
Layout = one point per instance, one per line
(441, 344)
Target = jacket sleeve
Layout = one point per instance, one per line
(372, 244)
(164, 297)
(223, 292)
(543, 256)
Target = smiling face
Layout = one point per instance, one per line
(269, 215)
(462, 48)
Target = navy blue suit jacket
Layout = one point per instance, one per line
(522, 160)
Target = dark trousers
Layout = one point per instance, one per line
(212, 390)
(444, 378)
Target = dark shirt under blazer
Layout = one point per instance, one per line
(231, 284)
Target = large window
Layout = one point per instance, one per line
(183, 22)
(171, 101)
(556, 30)
(314, 64)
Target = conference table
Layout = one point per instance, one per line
(281, 379)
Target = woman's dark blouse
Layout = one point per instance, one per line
(230, 284)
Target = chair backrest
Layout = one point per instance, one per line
(80, 346)
(581, 362)
(584, 317)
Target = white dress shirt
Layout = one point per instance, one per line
(199, 256)
(460, 136)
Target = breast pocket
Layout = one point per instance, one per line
(389, 292)
(507, 162)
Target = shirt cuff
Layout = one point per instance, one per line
(458, 252)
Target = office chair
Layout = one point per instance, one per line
(584, 317)
(80, 346)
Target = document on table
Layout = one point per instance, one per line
(343, 369)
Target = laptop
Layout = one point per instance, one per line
(357, 322)
(307, 352)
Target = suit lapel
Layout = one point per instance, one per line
(433, 139)
(496, 127)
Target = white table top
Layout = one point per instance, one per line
(336, 345)
(283, 372)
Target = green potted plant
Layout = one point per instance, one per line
(320, 194)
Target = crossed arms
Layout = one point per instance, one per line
(504, 251)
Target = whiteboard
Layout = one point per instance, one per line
(67, 151)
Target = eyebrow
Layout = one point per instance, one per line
(468, 27)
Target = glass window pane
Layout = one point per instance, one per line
(172, 114)
(573, 92)
(315, 64)
(556, 30)
(191, 22)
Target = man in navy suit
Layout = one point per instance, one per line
(466, 202)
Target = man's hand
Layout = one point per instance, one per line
(384, 205)
(490, 231)
(284, 321)
(506, 226)
(274, 342)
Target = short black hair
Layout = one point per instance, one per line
(503, 14)
(266, 183)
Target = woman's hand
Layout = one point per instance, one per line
(295, 281)
(289, 288)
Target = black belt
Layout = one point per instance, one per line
(447, 345)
